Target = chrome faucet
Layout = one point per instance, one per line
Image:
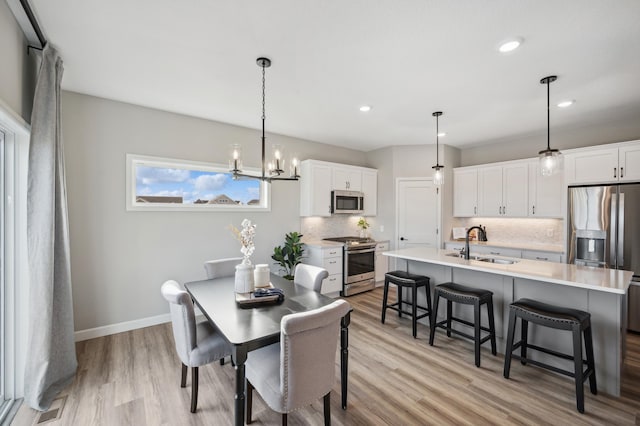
(481, 237)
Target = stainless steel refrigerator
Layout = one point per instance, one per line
(604, 231)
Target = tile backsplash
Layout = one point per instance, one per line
(317, 228)
(513, 230)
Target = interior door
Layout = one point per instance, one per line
(418, 213)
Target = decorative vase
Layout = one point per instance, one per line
(244, 278)
(363, 233)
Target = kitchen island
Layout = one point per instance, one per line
(602, 292)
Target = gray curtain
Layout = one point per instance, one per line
(51, 358)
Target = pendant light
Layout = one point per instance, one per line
(275, 167)
(550, 159)
(438, 175)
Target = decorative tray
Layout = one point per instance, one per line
(248, 300)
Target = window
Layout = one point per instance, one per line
(167, 184)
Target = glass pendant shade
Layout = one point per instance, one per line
(550, 162)
(438, 175)
(235, 158)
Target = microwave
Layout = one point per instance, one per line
(349, 202)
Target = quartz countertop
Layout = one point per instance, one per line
(551, 248)
(323, 243)
(600, 279)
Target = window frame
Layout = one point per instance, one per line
(147, 160)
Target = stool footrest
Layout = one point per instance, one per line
(442, 324)
(585, 374)
(394, 306)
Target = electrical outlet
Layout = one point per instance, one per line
(381, 228)
(550, 232)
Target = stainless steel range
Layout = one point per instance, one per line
(359, 259)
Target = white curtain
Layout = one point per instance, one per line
(51, 358)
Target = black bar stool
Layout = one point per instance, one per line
(413, 281)
(560, 318)
(469, 296)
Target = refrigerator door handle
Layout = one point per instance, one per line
(620, 257)
(613, 232)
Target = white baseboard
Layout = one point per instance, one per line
(120, 327)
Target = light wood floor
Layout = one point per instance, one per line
(133, 379)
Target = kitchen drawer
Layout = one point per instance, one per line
(384, 246)
(455, 246)
(497, 251)
(332, 284)
(333, 265)
(332, 252)
(542, 255)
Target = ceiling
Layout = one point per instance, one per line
(405, 58)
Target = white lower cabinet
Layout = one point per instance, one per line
(382, 261)
(329, 258)
(497, 251)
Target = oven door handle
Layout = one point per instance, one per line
(367, 250)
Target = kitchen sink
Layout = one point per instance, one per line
(486, 259)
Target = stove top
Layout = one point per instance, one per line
(352, 241)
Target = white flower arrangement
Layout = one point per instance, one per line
(245, 236)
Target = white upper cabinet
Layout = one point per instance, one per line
(370, 190)
(465, 192)
(604, 165)
(545, 192)
(503, 190)
(629, 162)
(315, 189)
(347, 179)
(319, 178)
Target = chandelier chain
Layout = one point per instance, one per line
(263, 92)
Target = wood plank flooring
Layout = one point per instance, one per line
(133, 379)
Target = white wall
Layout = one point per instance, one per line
(594, 133)
(120, 258)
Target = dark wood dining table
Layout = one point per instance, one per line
(253, 328)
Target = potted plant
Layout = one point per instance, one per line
(289, 255)
(363, 225)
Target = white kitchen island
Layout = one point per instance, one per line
(602, 292)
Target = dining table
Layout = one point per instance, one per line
(246, 329)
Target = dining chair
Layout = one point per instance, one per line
(221, 267)
(310, 276)
(196, 344)
(301, 367)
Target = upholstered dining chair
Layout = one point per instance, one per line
(301, 367)
(196, 344)
(310, 276)
(221, 267)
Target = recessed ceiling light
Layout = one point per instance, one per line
(510, 45)
(365, 108)
(442, 134)
(565, 104)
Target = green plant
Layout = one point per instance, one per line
(289, 255)
(362, 223)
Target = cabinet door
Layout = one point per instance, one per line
(629, 162)
(347, 179)
(545, 192)
(593, 166)
(490, 191)
(370, 190)
(465, 192)
(515, 190)
(315, 189)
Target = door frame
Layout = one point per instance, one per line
(397, 209)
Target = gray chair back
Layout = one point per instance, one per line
(308, 343)
(310, 276)
(183, 319)
(221, 267)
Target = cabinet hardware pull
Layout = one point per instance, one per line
(475, 210)
(541, 258)
(504, 209)
(495, 252)
(614, 172)
(621, 172)
(331, 263)
(534, 209)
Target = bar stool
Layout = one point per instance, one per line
(468, 296)
(560, 318)
(413, 281)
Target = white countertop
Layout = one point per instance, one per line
(552, 248)
(608, 280)
(323, 243)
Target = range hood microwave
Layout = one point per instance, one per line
(347, 202)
